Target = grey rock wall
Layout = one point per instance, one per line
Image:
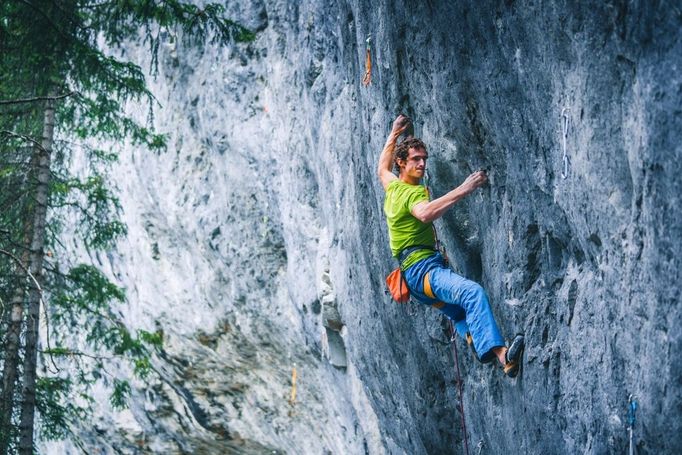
(257, 241)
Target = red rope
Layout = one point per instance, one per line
(452, 335)
(459, 386)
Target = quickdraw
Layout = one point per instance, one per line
(564, 138)
(632, 410)
(367, 78)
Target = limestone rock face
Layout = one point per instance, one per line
(257, 241)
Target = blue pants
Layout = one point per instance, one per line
(466, 303)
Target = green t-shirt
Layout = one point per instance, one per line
(404, 230)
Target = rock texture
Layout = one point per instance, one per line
(258, 245)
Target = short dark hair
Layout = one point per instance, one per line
(403, 150)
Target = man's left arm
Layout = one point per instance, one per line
(385, 168)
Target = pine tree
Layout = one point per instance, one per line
(55, 80)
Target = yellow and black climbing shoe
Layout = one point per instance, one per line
(513, 356)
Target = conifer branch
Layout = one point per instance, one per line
(23, 267)
(47, 336)
(36, 99)
(48, 18)
(69, 352)
(24, 137)
(41, 301)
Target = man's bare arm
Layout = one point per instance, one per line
(384, 170)
(429, 211)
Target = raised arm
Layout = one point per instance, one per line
(384, 170)
(429, 211)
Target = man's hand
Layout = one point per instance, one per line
(475, 180)
(401, 124)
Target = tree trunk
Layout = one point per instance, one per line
(43, 155)
(12, 344)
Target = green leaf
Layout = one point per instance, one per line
(154, 339)
(120, 394)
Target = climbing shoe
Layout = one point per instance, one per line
(513, 356)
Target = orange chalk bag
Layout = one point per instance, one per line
(397, 286)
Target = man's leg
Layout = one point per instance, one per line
(462, 294)
(458, 317)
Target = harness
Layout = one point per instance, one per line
(404, 253)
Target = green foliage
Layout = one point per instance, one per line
(105, 234)
(58, 351)
(154, 339)
(102, 117)
(96, 205)
(51, 49)
(56, 406)
(88, 287)
(194, 21)
(85, 302)
(143, 367)
(103, 156)
(120, 394)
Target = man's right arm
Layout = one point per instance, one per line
(384, 170)
(429, 211)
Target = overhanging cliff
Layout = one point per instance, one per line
(258, 245)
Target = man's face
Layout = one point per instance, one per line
(415, 165)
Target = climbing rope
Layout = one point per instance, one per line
(459, 386)
(367, 78)
(564, 129)
(453, 343)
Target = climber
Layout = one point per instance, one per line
(410, 215)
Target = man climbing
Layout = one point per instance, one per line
(410, 216)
